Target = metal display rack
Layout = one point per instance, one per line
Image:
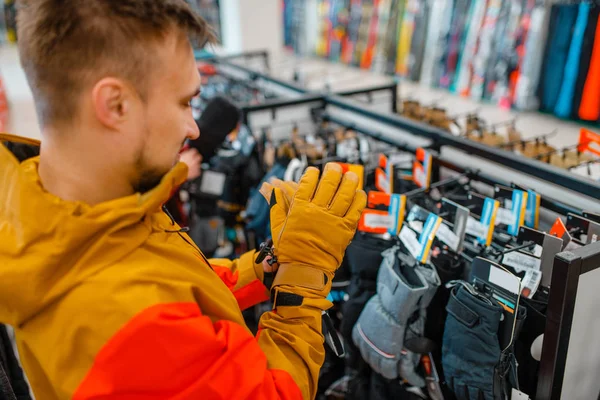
(572, 270)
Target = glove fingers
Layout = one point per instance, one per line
(330, 181)
(308, 184)
(358, 205)
(345, 194)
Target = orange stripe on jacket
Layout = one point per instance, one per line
(173, 351)
(589, 109)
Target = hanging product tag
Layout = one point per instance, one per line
(483, 230)
(532, 216)
(382, 182)
(457, 216)
(521, 261)
(530, 283)
(408, 237)
(446, 235)
(476, 228)
(518, 395)
(513, 215)
(430, 225)
(385, 213)
(589, 142)
(422, 168)
(358, 170)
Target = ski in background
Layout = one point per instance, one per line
(525, 93)
(508, 61)
(371, 47)
(363, 32)
(353, 29)
(465, 69)
(520, 50)
(499, 35)
(442, 44)
(405, 38)
(439, 9)
(417, 46)
(325, 27)
(379, 62)
(484, 52)
(455, 38)
(391, 38)
(339, 25)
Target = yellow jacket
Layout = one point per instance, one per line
(114, 302)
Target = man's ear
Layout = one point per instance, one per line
(112, 100)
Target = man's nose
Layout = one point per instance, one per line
(193, 131)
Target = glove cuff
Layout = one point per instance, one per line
(304, 276)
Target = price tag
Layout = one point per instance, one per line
(531, 283)
(476, 228)
(409, 238)
(518, 395)
(377, 220)
(505, 216)
(416, 225)
(521, 262)
(445, 234)
(382, 181)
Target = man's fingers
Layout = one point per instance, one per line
(328, 186)
(356, 208)
(345, 195)
(308, 184)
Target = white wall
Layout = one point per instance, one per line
(251, 25)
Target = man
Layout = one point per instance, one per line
(108, 297)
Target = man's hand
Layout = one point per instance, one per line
(311, 232)
(193, 159)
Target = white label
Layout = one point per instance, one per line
(383, 182)
(504, 279)
(447, 236)
(378, 220)
(420, 177)
(505, 217)
(212, 183)
(521, 262)
(518, 395)
(531, 281)
(409, 239)
(508, 204)
(416, 225)
(476, 228)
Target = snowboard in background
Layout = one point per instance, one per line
(521, 41)
(405, 37)
(339, 23)
(363, 32)
(324, 29)
(385, 12)
(508, 60)
(417, 46)
(484, 51)
(455, 39)
(369, 54)
(351, 40)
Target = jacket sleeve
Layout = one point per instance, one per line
(175, 351)
(244, 278)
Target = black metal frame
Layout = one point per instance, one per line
(568, 268)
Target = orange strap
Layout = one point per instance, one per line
(589, 109)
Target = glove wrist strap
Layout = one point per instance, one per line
(304, 276)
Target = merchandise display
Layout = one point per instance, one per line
(520, 54)
(444, 290)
